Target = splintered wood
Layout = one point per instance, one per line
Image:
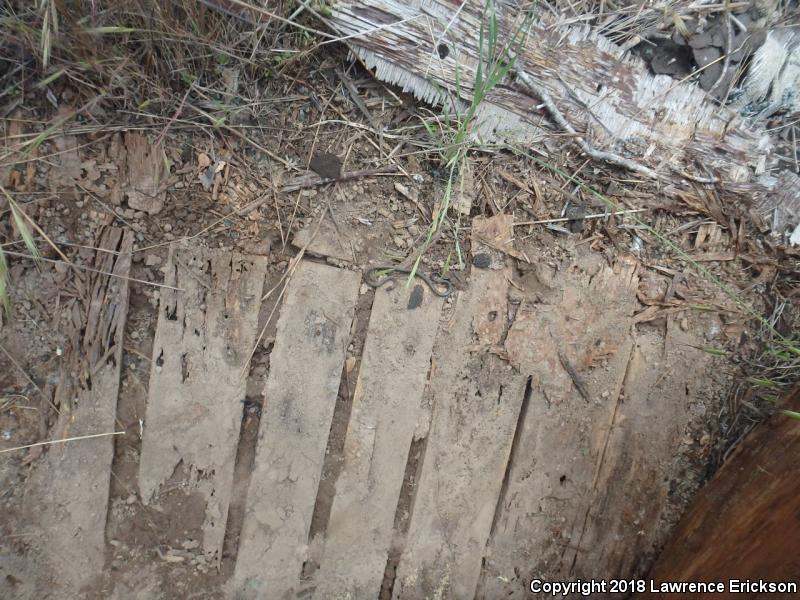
(206, 330)
(588, 480)
(71, 485)
(476, 404)
(313, 333)
(606, 95)
(386, 411)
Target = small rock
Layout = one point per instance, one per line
(173, 558)
(415, 300)
(167, 227)
(701, 40)
(705, 56)
(482, 260)
(151, 260)
(399, 241)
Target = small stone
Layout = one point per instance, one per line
(415, 300)
(173, 558)
(399, 241)
(167, 227)
(151, 260)
(482, 260)
(684, 324)
(130, 499)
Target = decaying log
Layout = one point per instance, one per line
(743, 524)
(432, 48)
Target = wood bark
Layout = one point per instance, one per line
(432, 48)
(744, 524)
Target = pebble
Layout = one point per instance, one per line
(482, 260)
(151, 260)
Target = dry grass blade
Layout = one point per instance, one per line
(62, 441)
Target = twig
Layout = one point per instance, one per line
(595, 216)
(13, 204)
(302, 182)
(587, 148)
(285, 282)
(21, 370)
(174, 117)
(91, 270)
(728, 49)
(576, 379)
(61, 441)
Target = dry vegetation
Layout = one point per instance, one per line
(259, 83)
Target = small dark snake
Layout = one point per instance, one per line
(434, 283)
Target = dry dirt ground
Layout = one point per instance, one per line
(285, 429)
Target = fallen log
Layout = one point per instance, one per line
(743, 525)
(608, 98)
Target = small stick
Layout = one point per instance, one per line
(285, 281)
(61, 441)
(90, 270)
(299, 183)
(573, 374)
(174, 117)
(587, 148)
(728, 49)
(595, 216)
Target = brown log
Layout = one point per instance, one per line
(745, 523)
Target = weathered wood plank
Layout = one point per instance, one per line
(476, 403)
(305, 367)
(386, 412)
(589, 479)
(750, 509)
(71, 484)
(204, 336)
